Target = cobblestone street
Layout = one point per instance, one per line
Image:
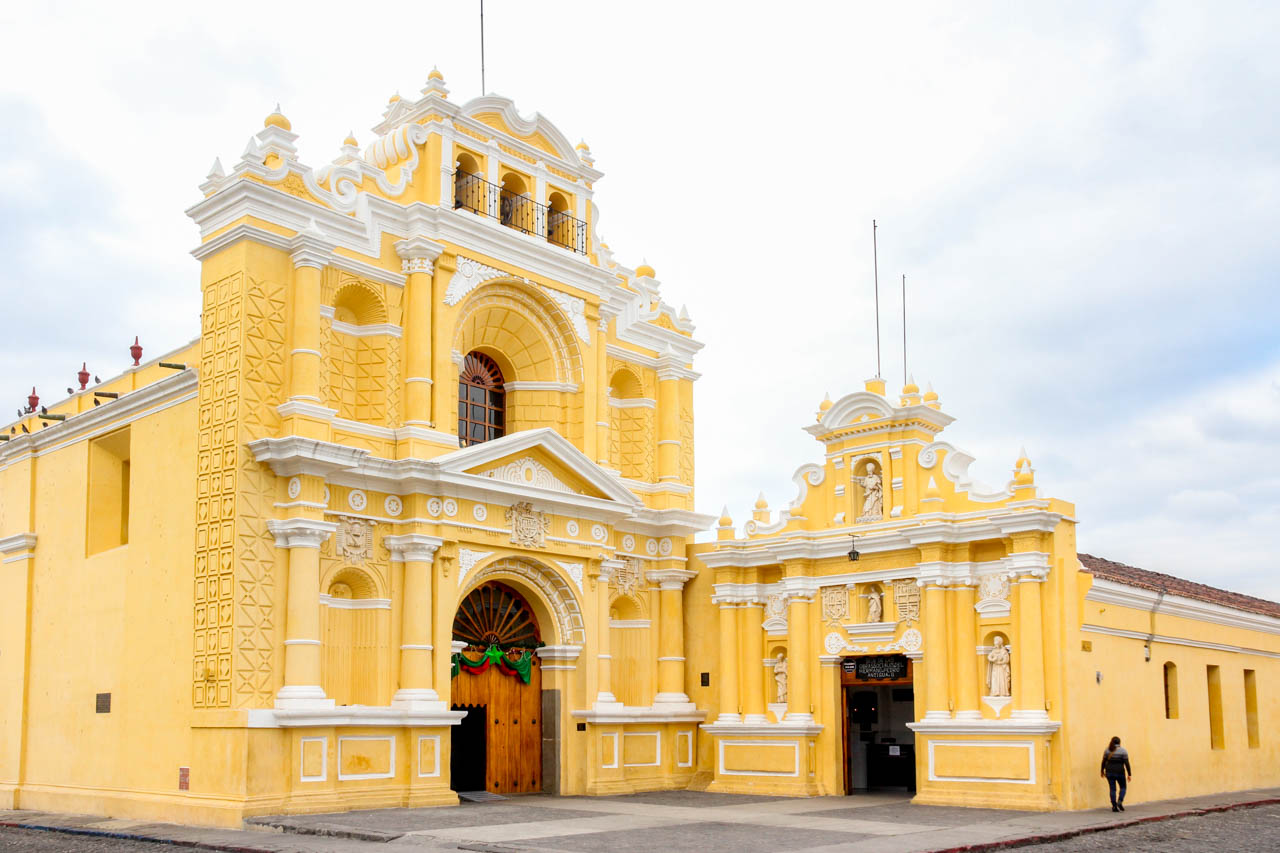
(696, 822)
(1251, 830)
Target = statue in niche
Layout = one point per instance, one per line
(875, 609)
(872, 494)
(780, 677)
(998, 678)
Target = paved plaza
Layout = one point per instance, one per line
(675, 821)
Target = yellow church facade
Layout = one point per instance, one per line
(413, 515)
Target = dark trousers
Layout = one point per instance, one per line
(1112, 781)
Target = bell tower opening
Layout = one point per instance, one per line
(497, 681)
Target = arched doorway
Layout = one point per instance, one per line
(497, 681)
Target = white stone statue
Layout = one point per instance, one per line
(780, 677)
(874, 608)
(998, 682)
(872, 494)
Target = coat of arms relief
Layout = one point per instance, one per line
(355, 539)
(906, 595)
(835, 603)
(529, 527)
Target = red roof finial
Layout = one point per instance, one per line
(83, 375)
(33, 401)
(136, 351)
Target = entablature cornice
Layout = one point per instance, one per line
(356, 467)
(113, 414)
(412, 547)
(417, 221)
(670, 579)
(667, 522)
(300, 532)
(948, 529)
(17, 542)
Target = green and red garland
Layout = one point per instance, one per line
(507, 665)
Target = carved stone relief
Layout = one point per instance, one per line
(529, 527)
(775, 612)
(906, 595)
(626, 578)
(355, 539)
(835, 603)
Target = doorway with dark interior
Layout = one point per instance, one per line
(879, 700)
(497, 747)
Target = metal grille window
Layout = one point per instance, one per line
(481, 400)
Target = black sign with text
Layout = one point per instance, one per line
(877, 668)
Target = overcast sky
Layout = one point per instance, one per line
(1084, 200)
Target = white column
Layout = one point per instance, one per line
(417, 552)
(670, 623)
(302, 645)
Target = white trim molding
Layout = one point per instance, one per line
(324, 759)
(18, 542)
(657, 748)
(1104, 591)
(391, 758)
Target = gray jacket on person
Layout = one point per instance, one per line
(1116, 763)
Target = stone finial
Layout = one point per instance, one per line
(435, 84)
(725, 529)
(1023, 474)
(277, 119)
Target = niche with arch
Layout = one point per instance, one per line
(775, 689)
(516, 208)
(871, 604)
(997, 674)
(629, 644)
(354, 624)
(533, 343)
(869, 489)
(470, 190)
(360, 367)
(631, 427)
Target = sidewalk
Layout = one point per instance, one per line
(675, 821)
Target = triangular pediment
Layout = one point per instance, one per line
(540, 459)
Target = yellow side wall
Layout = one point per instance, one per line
(114, 622)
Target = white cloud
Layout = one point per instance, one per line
(1083, 199)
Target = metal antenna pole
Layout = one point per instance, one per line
(482, 88)
(904, 329)
(875, 261)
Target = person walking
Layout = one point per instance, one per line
(1115, 769)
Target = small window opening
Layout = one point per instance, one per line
(1170, 691)
(481, 400)
(1251, 707)
(1216, 738)
(107, 516)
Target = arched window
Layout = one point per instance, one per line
(481, 400)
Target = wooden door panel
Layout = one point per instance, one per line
(513, 759)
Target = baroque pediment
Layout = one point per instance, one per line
(540, 460)
(527, 471)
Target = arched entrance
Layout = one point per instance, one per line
(497, 681)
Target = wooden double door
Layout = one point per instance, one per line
(497, 747)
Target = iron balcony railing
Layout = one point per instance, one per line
(474, 193)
